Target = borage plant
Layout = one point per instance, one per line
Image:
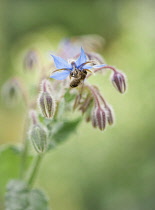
(65, 90)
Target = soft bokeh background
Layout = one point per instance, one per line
(93, 170)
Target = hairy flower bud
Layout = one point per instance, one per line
(99, 118)
(31, 59)
(11, 92)
(33, 117)
(46, 101)
(93, 119)
(119, 81)
(96, 57)
(38, 137)
(110, 115)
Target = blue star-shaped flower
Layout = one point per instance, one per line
(64, 68)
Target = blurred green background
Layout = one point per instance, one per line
(93, 170)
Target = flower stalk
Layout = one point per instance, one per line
(34, 169)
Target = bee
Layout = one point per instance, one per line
(79, 76)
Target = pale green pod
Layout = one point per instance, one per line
(38, 137)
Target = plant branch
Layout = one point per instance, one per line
(34, 169)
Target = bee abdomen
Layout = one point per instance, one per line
(75, 83)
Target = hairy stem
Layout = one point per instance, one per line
(91, 88)
(101, 68)
(34, 169)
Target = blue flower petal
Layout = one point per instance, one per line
(86, 67)
(82, 58)
(99, 66)
(60, 75)
(60, 63)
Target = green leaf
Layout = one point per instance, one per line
(10, 159)
(69, 96)
(66, 129)
(20, 197)
(37, 200)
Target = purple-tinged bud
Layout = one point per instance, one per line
(99, 118)
(33, 117)
(110, 114)
(96, 57)
(38, 137)
(46, 101)
(31, 59)
(119, 81)
(93, 119)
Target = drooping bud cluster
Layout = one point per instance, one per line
(38, 134)
(102, 112)
(46, 101)
(95, 108)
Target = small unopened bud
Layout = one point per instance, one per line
(46, 101)
(93, 119)
(11, 92)
(95, 56)
(33, 117)
(99, 118)
(110, 115)
(31, 59)
(119, 81)
(38, 137)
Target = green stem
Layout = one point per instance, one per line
(24, 151)
(23, 159)
(34, 169)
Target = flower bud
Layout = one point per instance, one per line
(11, 92)
(46, 101)
(110, 115)
(31, 59)
(93, 119)
(119, 81)
(99, 118)
(38, 136)
(33, 117)
(96, 57)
